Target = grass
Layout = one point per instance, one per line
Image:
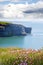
(4, 23)
(17, 56)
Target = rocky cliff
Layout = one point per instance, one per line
(7, 30)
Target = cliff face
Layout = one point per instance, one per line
(28, 29)
(13, 30)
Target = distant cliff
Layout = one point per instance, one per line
(7, 30)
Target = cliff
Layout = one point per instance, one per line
(28, 29)
(8, 29)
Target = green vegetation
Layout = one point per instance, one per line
(4, 23)
(17, 56)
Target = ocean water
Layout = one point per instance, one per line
(33, 41)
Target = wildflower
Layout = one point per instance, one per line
(23, 63)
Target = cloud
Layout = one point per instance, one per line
(14, 0)
(18, 0)
(21, 0)
(14, 10)
(1, 0)
(35, 10)
(19, 11)
(40, 10)
(25, 0)
(4, 0)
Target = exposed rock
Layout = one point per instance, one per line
(28, 30)
(7, 30)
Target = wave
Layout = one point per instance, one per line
(38, 34)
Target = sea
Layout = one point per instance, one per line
(33, 40)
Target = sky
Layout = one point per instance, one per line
(21, 9)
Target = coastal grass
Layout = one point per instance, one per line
(17, 56)
(4, 23)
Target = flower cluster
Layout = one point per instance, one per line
(14, 56)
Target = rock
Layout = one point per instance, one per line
(7, 30)
(28, 29)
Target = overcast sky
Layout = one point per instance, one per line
(21, 9)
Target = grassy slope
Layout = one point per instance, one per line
(16, 56)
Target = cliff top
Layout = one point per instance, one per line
(4, 23)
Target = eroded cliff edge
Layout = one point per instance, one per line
(8, 29)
